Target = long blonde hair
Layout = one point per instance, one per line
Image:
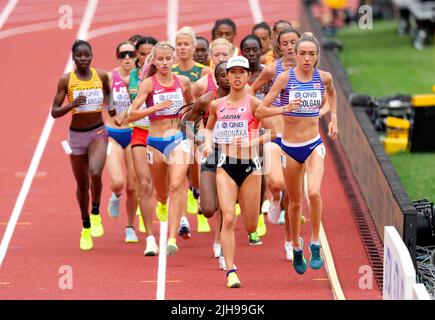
(159, 45)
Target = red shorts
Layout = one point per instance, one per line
(139, 137)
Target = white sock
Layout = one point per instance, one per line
(315, 242)
(184, 221)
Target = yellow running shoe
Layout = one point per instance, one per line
(138, 212)
(162, 211)
(238, 210)
(203, 226)
(86, 239)
(97, 229)
(233, 280)
(171, 247)
(303, 219)
(261, 227)
(192, 203)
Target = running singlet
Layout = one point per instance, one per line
(160, 93)
(310, 92)
(278, 71)
(92, 89)
(193, 74)
(120, 97)
(133, 88)
(234, 121)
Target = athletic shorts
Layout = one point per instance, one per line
(139, 137)
(301, 151)
(120, 135)
(79, 140)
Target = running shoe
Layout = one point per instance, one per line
(316, 261)
(184, 232)
(261, 227)
(151, 248)
(162, 211)
(281, 219)
(232, 279)
(238, 210)
(288, 249)
(265, 206)
(192, 203)
(254, 239)
(299, 262)
(130, 235)
(97, 229)
(217, 247)
(203, 226)
(274, 212)
(86, 239)
(114, 205)
(171, 247)
(222, 264)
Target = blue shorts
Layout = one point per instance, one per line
(277, 140)
(301, 151)
(166, 144)
(122, 136)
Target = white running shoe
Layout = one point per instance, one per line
(130, 235)
(274, 212)
(217, 247)
(281, 219)
(151, 247)
(114, 205)
(222, 264)
(265, 206)
(288, 248)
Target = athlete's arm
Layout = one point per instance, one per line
(57, 110)
(187, 89)
(266, 75)
(264, 110)
(106, 91)
(199, 87)
(267, 124)
(332, 100)
(205, 71)
(134, 113)
(208, 131)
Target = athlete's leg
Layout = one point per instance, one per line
(227, 194)
(131, 187)
(80, 167)
(97, 154)
(315, 169)
(249, 199)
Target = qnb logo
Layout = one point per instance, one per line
(298, 95)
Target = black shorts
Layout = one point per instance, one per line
(239, 169)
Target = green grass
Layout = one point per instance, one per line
(417, 173)
(380, 62)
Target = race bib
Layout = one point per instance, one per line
(226, 131)
(94, 100)
(311, 101)
(176, 98)
(121, 99)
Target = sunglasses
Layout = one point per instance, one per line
(123, 54)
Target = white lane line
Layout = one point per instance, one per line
(337, 291)
(172, 25)
(161, 273)
(7, 11)
(172, 20)
(256, 10)
(42, 142)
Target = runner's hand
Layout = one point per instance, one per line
(293, 105)
(79, 101)
(164, 105)
(333, 130)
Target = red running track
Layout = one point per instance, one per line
(47, 234)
